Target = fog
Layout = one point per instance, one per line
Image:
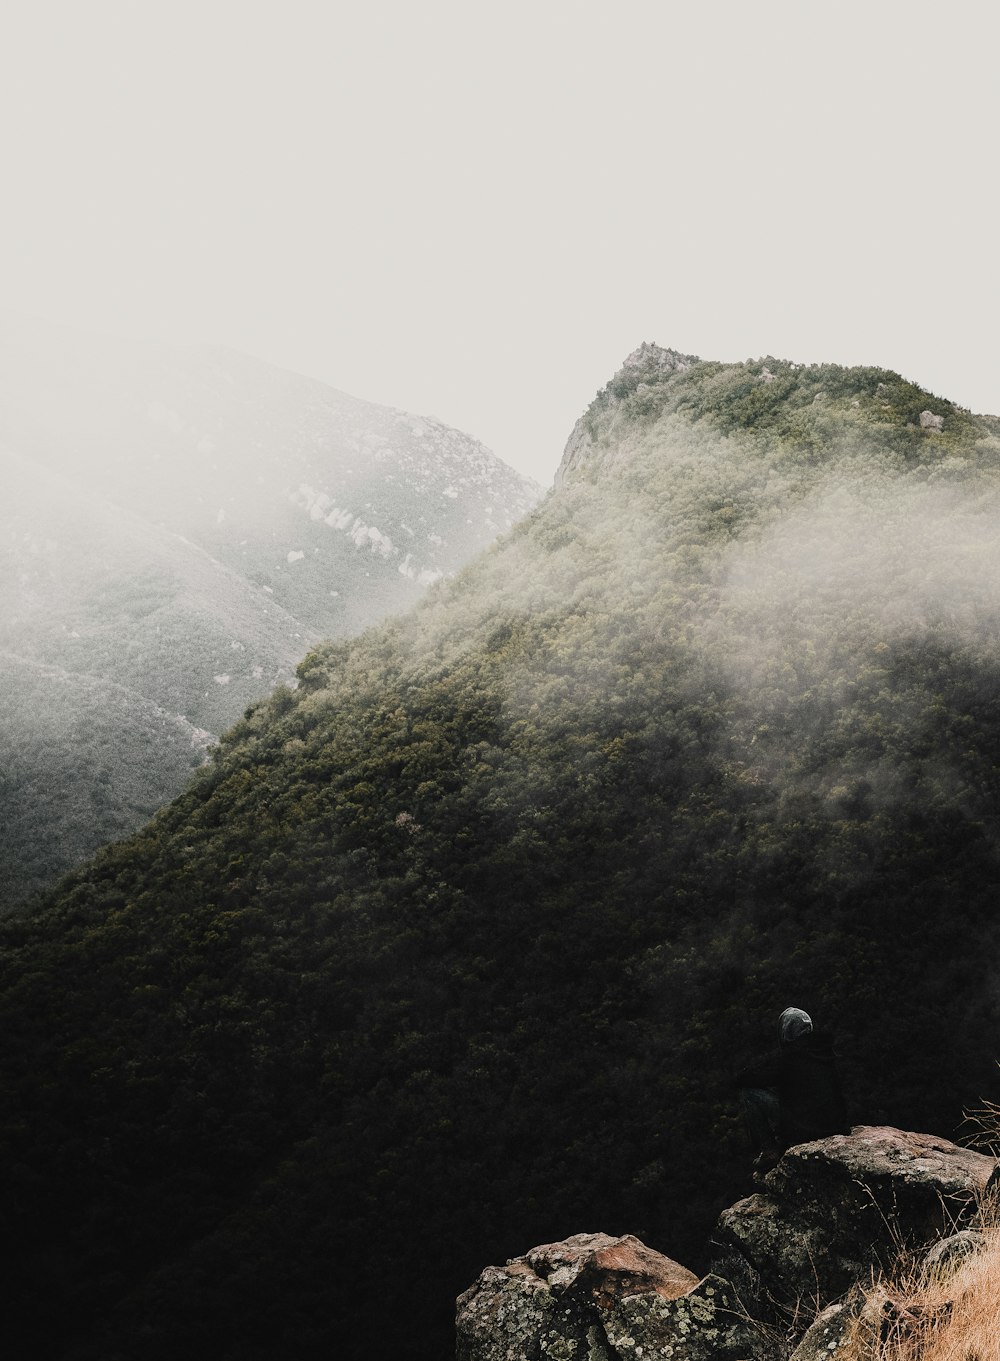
(828, 621)
(848, 629)
(178, 526)
(474, 212)
(900, 561)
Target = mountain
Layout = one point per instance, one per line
(456, 946)
(116, 754)
(186, 523)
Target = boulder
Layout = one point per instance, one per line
(831, 1331)
(947, 1255)
(597, 1298)
(831, 1212)
(928, 421)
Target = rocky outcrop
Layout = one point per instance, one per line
(832, 1211)
(826, 1217)
(642, 373)
(597, 1298)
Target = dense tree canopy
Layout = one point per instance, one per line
(453, 949)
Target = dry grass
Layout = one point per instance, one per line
(951, 1313)
(948, 1312)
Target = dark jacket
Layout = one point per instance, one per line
(803, 1076)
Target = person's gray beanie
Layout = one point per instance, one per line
(793, 1023)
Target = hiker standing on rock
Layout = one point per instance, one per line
(792, 1095)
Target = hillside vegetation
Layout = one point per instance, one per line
(103, 754)
(456, 946)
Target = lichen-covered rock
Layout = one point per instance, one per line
(597, 1298)
(511, 1314)
(833, 1210)
(831, 1331)
(705, 1324)
(928, 421)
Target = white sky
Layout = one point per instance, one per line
(476, 210)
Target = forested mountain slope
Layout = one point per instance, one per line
(456, 946)
(104, 756)
(186, 522)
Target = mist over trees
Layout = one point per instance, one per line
(179, 525)
(454, 948)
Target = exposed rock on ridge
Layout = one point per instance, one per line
(827, 1216)
(644, 368)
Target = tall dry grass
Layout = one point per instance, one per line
(944, 1312)
(935, 1317)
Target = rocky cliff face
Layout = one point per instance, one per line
(787, 1264)
(605, 421)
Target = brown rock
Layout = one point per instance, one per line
(597, 1298)
(608, 1268)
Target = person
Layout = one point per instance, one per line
(792, 1095)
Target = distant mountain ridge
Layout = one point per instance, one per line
(96, 588)
(281, 477)
(187, 522)
(103, 757)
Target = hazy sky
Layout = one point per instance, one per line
(476, 210)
